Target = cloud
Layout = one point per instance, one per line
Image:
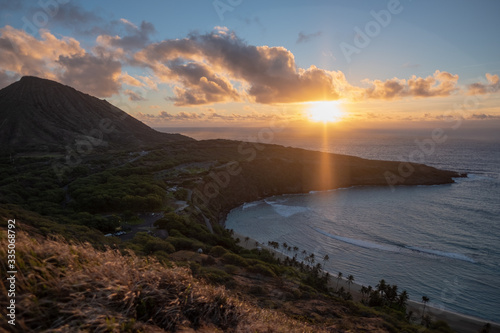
(164, 115)
(61, 59)
(479, 88)
(98, 75)
(268, 74)
(439, 84)
(130, 80)
(134, 96)
(210, 115)
(75, 17)
(304, 38)
(137, 36)
(6, 79)
(200, 85)
(483, 116)
(23, 54)
(203, 69)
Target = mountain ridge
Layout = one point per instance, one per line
(40, 114)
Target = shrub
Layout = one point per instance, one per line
(214, 275)
(208, 261)
(231, 269)
(262, 269)
(441, 326)
(181, 194)
(182, 243)
(171, 221)
(234, 259)
(154, 245)
(218, 251)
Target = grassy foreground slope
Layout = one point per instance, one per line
(64, 285)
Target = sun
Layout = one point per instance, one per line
(325, 111)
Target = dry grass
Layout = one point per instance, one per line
(64, 287)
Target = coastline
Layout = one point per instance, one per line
(460, 323)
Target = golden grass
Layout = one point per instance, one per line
(63, 287)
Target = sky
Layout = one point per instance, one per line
(358, 64)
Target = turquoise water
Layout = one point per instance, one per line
(440, 241)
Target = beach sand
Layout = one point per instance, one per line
(458, 322)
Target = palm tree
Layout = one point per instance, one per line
(350, 280)
(339, 277)
(312, 257)
(304, 253)
(403, 298)
(369, 290)
(392, 293)
(363, 290)
(246, 240)
(425, 299)
(381, 287)
(325, 259)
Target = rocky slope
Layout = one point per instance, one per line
(39, 115)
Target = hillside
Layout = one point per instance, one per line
(43, 115)
(168, 196)
(70, 286)
(275, 170)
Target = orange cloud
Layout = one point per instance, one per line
(212, 116)
(134, 96)
(61, 59)
(23, 54)
(479, 88)
(270, 74)
(200, 85)
(439, 84)
(95, 75)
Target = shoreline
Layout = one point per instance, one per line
(460, 323)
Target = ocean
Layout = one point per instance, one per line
(440, 241)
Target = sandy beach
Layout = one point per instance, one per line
(458, 322)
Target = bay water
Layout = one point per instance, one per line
(441, 241)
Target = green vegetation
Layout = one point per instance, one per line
(62, 222)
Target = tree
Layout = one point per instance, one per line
(325, 259)
(486, 328)
(425, 299)
(350, 280)
(364, 291)
(403, 299)
(392, 293)
(381, 287)
(339, 277)
(246, 240)
(311, 256)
